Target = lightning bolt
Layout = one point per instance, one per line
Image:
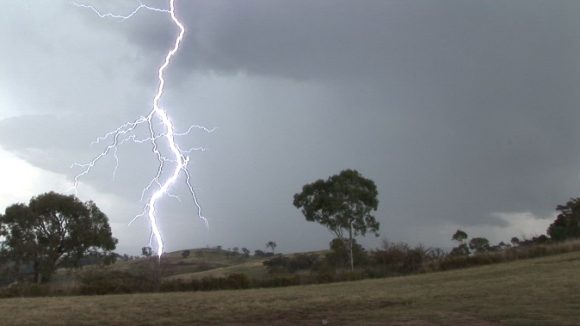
(126, 133)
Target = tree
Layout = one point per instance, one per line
(272, 245)
(185, 253)
(339, 251)
(246, 252)
(567, 223)
(479, 244)
(147, 251)
(54, 230)
(460, 236)
(462, 249)
(343, 203)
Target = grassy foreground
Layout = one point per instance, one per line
(544, 291)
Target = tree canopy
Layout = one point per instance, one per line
(567, 223)
(272, 245)
(460, 236)
(479, 244)
(52, 231)
(344, 203)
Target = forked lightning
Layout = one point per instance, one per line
(158, 187)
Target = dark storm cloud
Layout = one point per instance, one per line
(486, 91)
(457, 109)
(389, 40)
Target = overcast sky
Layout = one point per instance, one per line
(464, 113)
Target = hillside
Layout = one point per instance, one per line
(198, 261)
(543, 291)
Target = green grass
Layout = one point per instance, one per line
(543, 291)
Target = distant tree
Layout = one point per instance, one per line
(460, 236)
(147, 251)
(343, 203)
(567, 223)
(185, 253)
(272, 245)
(460, 250)
(515, 241)
(53, 231)
(246, 252)
(479, 244)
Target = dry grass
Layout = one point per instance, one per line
(254, 269)
(543, 291)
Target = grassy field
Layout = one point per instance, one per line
(544, 291)
(200, 263)
(199, 260)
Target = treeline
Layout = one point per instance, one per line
(392, 259)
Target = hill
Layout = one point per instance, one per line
(542, 291)
(199, 260)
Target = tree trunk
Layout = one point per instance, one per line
(37, 274)
(350, 247)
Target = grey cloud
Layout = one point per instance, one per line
(457, 109)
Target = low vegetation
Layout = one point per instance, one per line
(31, 267)
(490, 295)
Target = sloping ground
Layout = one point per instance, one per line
(253, 269)
(544, 291)
(199, 260)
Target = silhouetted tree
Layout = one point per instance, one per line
(460, 236)
(479, 244)
(343, 203)
(185, 253)
(54, 230)
(567, 223)
(461, 250)
(147, 251)
(272, 245)
(246, 252)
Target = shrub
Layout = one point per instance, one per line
(25, 290)
(238, 281)
(111, 282)
(399, 258)
(277, 264)
(339, 254)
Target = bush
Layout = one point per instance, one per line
(339, 255)
(302, 262)
(400, 258)
(281, 281)
(277, 264)
(238, 281)
(175, 285)
(292, 264)
(25, 290)
(113, 282)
